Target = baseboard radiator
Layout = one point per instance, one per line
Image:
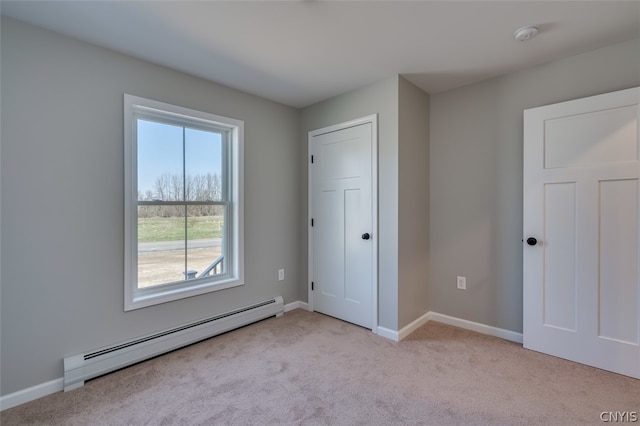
(85, 366)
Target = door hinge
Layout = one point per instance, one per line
(312, 285)
(311, 221)
(312, 159)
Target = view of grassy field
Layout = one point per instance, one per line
(172, 228)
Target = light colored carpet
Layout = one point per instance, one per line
(307, 368)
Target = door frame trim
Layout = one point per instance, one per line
(373, 120)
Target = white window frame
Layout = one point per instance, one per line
(136, 107)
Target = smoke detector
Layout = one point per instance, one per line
(525, 33)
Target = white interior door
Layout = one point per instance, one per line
(342, 238)
(581, 204)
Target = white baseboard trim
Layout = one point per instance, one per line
(397, 336)
(388, 334)
(476, 326)
(31, 394)
(296, 305)
(410, 328)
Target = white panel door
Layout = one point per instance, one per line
(581, 205)
(342, 233)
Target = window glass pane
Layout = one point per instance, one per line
(160, 168)
(161, 246)
(203, 164)
(204, 242)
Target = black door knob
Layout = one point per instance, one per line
(366, 236)
(532, 241)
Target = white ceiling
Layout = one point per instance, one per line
(302, 52)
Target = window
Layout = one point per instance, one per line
(183, 202)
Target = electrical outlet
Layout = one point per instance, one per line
(280, 274)
(462, 283)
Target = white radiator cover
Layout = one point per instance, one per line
(85, 366)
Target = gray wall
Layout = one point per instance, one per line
(476, 178)
(380, 98)
(413, 202)
(62, 199)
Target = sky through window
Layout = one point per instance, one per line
(160, 152)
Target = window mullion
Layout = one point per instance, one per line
(181, 203)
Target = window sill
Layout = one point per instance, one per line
(138, 301)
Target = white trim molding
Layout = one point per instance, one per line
(296, 305)
(413, 326)
(397, 336)
(387, 333)
(30, 394)
(476, 326)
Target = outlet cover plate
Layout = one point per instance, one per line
(462, 283)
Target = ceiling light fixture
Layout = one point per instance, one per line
(525, 33)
